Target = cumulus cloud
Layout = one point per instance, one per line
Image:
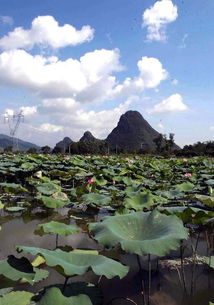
(29, 110)
(211, 128)
(50, 128)
(7, 20)
(46, 31)
(156, 18)
(89, 79)
(65, 117)
(172, 104)
(151, 73)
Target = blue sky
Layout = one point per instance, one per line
(152, 56)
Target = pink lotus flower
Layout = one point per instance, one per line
(91, 181)
(189, 175)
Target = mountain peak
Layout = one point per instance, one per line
(87, 137)
(132, 132)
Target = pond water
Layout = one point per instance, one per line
(166, 288)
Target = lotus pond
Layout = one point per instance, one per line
(111, 230)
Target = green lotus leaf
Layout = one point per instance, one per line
(54, 296)
(139, 201)
(74, 263)
(210, 261)
(50, 202)
(185, 187)
(188, 214)
(59, 228)
(206, 200)
(21, 269)
(14, 209)
(97, 199)
(28, 166)
(1, 205)
(141, 233)
(13, 188)
(48, 188)
(16, 298)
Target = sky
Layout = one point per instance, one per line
(72, 66)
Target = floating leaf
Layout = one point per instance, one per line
(97, 199)
(139, 201)
(16, 298)
(54, 296)
(206, 200)
(50, 202)
(141, 233)
(48, 188)
(14, 209)
(78, 263)
(185, 187)
(59, 228)
(13, 188)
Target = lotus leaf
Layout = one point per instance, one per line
(14, 209)
(48, 188)
(78, 263)
(54, 296)
(97, 199)
(210, 261)
(50, 202)
(139, 201)
(17, 269)
(59, 228)
(185, 187)
(13, 188)
(16, 298)
(141, 233)
(206, 200)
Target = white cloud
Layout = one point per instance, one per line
(174, 103)
(64, 117)
(50, 128)
(151, 73)
(9, 112)
(157, 17)
(7, 20)
(46, 31)
(29, 110)
(211, 128)
(87, 79)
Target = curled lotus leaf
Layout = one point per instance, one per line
(54, 296)
(74, 263)
(141, 233)
(17, 269)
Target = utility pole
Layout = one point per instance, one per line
(13, 121)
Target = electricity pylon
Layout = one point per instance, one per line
(13, 121)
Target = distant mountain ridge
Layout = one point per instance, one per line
(132, 134)
(6, 141)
